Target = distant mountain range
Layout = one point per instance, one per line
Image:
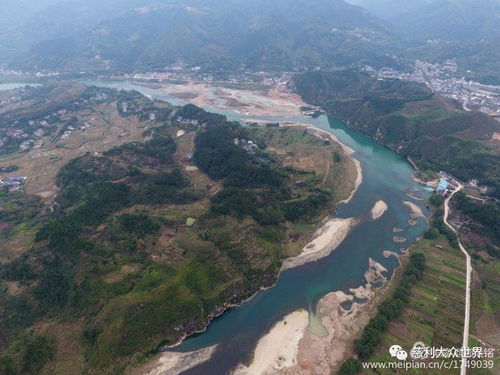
(452, 20)
(126, 35)
(215, 34)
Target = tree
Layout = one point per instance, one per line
(436, 200)
(350, 367)
(37, 352)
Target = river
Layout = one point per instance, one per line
(386, 176)
(12, 86)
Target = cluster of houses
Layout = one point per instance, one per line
(442, 79)
(126, 108)
(97, 98)
(181, 72)
(80, 125)
(13, 183)
(24, 132)
(448, 183)
(16, 96)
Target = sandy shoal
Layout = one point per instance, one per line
(326, 239)
(415, 210)
(278, 349)
(174, 363)
(324, 355)
(276, 101)
(379, 209)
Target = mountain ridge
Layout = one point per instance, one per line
(236, 34)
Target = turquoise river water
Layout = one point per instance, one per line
(386, 176)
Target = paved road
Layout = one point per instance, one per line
(465, 342)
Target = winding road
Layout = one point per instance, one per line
(465, 342)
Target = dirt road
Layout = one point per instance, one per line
(465, 342)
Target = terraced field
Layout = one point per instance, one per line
(434, 314)
(41, 163)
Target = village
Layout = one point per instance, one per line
(442, 80)
(13, 183)
(22, 133)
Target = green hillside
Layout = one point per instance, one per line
(144, 245)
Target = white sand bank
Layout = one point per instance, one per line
(325, 240)
(278, 349)
(415, 210)
(379, 209)
(317, 354)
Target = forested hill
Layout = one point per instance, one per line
(436, 133)
(148, 241)
(214, 34)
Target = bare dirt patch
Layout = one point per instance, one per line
(124, 270)
(13, 287)
(488, 329)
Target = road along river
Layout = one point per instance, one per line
(231, 338)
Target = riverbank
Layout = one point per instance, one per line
(430, 183)
(273, 101)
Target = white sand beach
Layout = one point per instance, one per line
(278, 349)
(295, 349)
(325, 240)
(322, 355)
(399, 239)
(379, 209)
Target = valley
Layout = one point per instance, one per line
(229, 187)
